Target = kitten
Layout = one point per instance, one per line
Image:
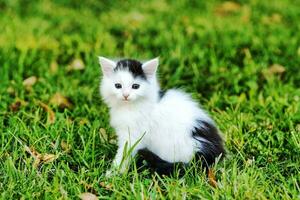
(162, 127)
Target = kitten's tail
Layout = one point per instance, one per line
(210, 143)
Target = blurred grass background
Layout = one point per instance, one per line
(239, 59)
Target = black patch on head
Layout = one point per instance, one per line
(134, 66)
(161, 94)
(213, 146)
(158, 165)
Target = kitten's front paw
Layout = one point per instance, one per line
(115, 171)
(112, 172)
(109, 173)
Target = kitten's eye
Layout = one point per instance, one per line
(118, 85)
(135, 86)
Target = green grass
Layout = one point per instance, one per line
(224, 56)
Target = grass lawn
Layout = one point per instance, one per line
(240, 60)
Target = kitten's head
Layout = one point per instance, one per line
(128, 80)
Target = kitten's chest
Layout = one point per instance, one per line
(130, 120)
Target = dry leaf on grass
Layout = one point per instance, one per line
(48, 158)
(51, 114)
(16, 106)
(40, 158)
(276, 69)
(61, 101)
(88, 196)
(227, 7)
(105, 186)
(31, 151)
(211, 178)
(88, 187)
(84, 121)
(30, 81)
(65, 146)
(75, 65)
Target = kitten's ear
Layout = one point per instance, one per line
(107, 66)
(150, 67)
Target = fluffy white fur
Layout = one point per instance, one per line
(163, 124)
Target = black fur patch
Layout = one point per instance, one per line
(134, 66)
(158, 165)
(161, 94)
(212, 146)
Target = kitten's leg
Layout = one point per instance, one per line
(122, 159)
(116, 162)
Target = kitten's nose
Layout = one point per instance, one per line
(125, 96)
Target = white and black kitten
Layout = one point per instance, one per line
(163, 127)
